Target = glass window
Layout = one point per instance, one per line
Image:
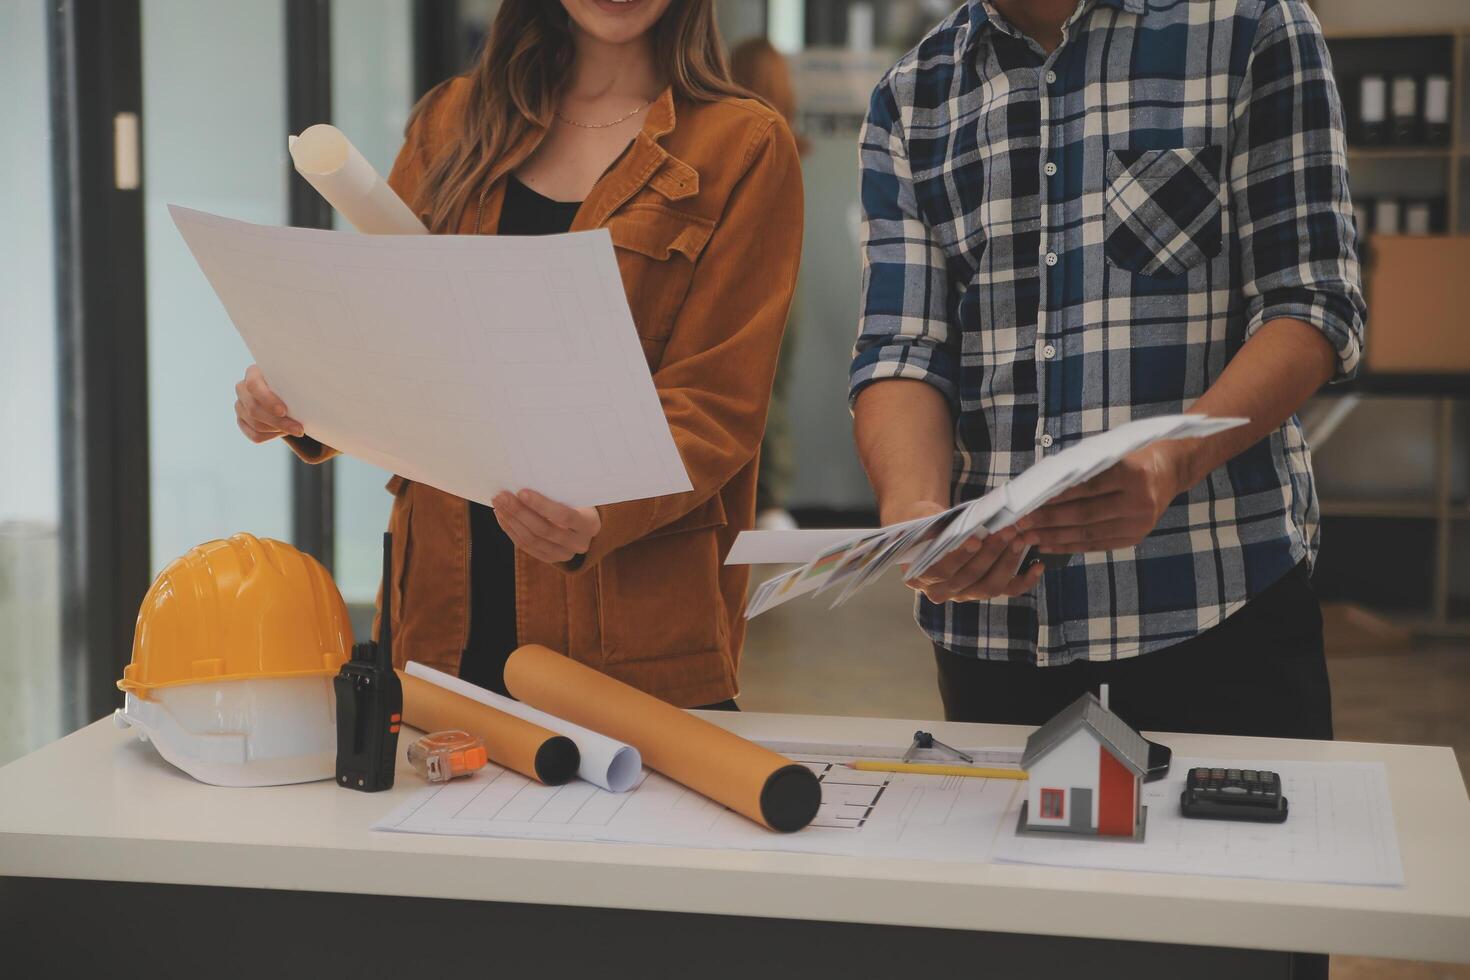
(30, 577)
(786, 24)
(372, 92)
(214, 130)
(1051, 803)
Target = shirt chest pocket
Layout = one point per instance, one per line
(657, 249)
(1162, 209)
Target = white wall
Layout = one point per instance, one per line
(28, 410)
(740, 19)
(1074, 763)
(30, 573)
(372, 92)
(823, 327)
(214, 131)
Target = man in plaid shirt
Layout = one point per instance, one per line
(1082, 213)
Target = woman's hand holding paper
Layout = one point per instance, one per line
(545, 529)
(259, 411)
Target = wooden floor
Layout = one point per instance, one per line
(869, 659)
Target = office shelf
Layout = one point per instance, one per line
(1401, 152)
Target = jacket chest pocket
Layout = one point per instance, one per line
(657, 249)
(1161, 209)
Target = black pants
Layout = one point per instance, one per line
(728, 705)
(1260, 672)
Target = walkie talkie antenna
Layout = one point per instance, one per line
(370, 702)
(385, 622)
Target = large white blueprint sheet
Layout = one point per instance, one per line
(871, 814)
(1339, 829)
(470, 363)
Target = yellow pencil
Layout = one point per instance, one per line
(935, 769)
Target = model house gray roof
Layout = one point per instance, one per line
(1130, 747)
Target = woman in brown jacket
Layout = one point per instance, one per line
(614, 114)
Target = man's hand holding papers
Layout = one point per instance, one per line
(982, 567)
(974, 550)
(1115, 509)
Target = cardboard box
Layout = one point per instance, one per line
(1418, 304)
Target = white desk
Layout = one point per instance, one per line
(98, 806)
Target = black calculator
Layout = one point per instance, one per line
(1233, 794)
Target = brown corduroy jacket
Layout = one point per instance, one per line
(705, 213)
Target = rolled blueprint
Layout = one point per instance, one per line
(512, 742)
(331, 164)
(605, 762)
(764, 786)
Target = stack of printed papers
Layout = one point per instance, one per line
(847, 561)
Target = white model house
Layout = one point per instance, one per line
(1085, 771)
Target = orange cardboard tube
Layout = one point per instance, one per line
(529, 749)
(764, 786)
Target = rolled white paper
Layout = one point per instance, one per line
(606, 762)
(331, 164)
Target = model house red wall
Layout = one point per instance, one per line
(1116, 806)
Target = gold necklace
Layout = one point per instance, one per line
(606, 125)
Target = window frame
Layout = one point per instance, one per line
(1053, 799)
(96, 69)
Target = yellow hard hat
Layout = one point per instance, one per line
(241, 609)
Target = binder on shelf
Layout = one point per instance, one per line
(1386, 213)
(1417, 217)
(1404, 110)
(1437, 110)
(1372, 110)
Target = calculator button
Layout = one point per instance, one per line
(1217, 773)
(1250, 775)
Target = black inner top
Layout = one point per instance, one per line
(492, 554)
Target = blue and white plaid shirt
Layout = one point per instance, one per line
(1061, 243)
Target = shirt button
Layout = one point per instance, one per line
(1051, 78)
(1046, 440)
(1051, 258)
(1048, 352)
(1051, 169)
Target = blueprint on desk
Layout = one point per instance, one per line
(871, 814)
(1339, 830)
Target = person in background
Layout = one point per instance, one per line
(1082, 213)
(580, 115)
(760, 69)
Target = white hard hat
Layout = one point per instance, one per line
(234, 653)
(265, 732)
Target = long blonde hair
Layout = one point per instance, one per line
(518, 78)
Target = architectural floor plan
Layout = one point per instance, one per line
(1339, 829)
(875, 814)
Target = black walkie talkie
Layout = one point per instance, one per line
(370, 702)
